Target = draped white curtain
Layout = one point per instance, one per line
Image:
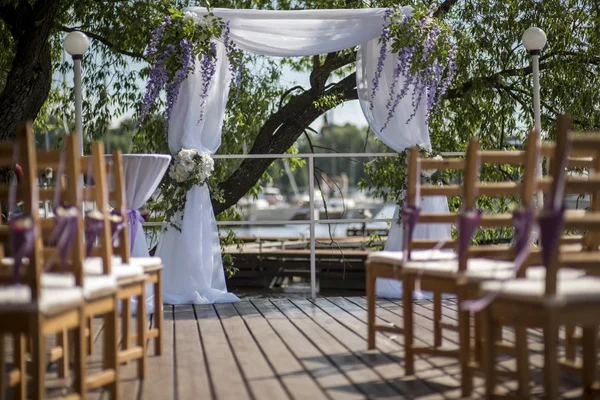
(193, 268)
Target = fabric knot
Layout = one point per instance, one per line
(134, 218)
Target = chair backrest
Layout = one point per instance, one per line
(472, 187)
(27, 193)
(553, 221)
(69, 190)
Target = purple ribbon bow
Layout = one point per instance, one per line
(409, 218)
(134, 217)
(468, 221)
(551, 225)
(94, 223)
(21, 239)
(64, 230)
(522, 222)
(116, 226)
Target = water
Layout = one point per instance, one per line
(303, 230)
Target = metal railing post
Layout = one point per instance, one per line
(311, 199)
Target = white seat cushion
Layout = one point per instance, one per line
(94, 265)
(448, 268)
(145, 261)
(396, 258)
(531, 273)
(532, 290)
(18, 298)
(125, 271)
(93, 286)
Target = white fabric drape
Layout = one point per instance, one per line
(142, 173)
(398, 135)
(193, 271)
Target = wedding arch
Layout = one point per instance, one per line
(193, 266)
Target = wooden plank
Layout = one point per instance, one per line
(159, 382)
(291, 372)
(259, 375)
(355, 368)
(426, 368)
(191, 377)
(321, 368)
(221, 361)
(386, 360)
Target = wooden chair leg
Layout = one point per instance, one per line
(407, 308)
(125, 324)
(437, 319)
(142, 332)
(38, 358)
(551, 370)
(159, 314)
(370, 308)
(20, 362)
(3, 377)
(570, 349)
(522, 355)
(111, 350)
(90, 335)
(464, 344)
(478, 345)
(81, 356)
(488, 356)
(62, 340)
(590, 350)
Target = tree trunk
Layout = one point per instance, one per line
(276, 136)
(29, 80)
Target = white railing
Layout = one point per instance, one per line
(311, 196)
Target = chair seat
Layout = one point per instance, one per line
(483, 274)
(93, 286)
(396, 258)
(120, 271)
(449, 268)
(150, 264)
(17, 298)
(572, 291)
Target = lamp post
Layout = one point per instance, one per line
(76, 44)
(534, 40)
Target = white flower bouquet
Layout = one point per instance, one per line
(189, 168)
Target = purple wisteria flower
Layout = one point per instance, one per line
(208, 67)
(425, 62)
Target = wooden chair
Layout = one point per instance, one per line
(152, 265)
(131, 278)
(469, 283)
(100, 291)
(552, 302)
(389, 264)
(446, 276)
(31, 310)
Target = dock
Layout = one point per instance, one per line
(294, 348)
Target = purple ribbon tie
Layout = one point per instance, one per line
(22, 240)
(94, 223)
(116, 226)
(65, 230)
(134, 217)
(409, 218)
(551, 226)
(468, 221)
(522, 222)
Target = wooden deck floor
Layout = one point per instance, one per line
(299, 349)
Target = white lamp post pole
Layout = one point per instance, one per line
(76, 44)
(534, 40)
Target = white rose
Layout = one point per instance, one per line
(190, 16)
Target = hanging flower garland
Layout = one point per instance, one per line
(176, 44)
(425, 54)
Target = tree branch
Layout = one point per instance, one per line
(444, 7)
(104, 41)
